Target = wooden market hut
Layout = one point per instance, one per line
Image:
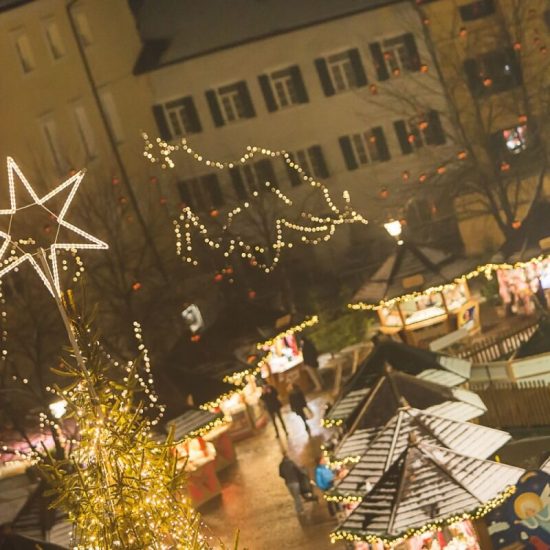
(378, 453)
(427, 487)
(418, 295)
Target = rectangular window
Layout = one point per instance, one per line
(85, 132)
(83, 29)
(493, 72)
(248, 179)
(49, 131)
(400, 54)
(515, 139)
(477, 10)
(182, 117)
(230, 103)
(25, 53)
(343, 72)
(53, 37)
(364, 148)
(111, 113)
(418, 131)
(201, 194)
(283, 88)
(311, 161)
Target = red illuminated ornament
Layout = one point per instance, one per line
(426, 21)
(136, 286)
(422, 178)
(406, 175)
(196, 338)
(441, 170)
(517, 46)
(115, 181)
(423, 125)
(410, 138)
(516, 224)
(463, 32)
(504, 166)
(384, 193)
(251, 294)
(424, 68)
(462, 155)
(218, 278)
(228, 270)
(397, 71)
(373, 89)
(487, 82)
(522, 119)
(47, 228)
(214, 213)
(163, 200)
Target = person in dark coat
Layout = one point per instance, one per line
(270, 397)
(298, 403)
(291, 473)
(311, 362)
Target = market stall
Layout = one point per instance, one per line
(283, 361)
(420, 294)
(202, 447)
(430, 497)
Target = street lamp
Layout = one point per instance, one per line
(394, 228)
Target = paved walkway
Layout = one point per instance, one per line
(255, 500)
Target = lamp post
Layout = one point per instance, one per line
(394, 228)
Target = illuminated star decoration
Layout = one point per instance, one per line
(11, 262)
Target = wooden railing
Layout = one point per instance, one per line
(515, 405)
(499, 346)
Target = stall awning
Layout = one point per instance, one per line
(194, 422)
(410, 269)
(380, 452)
(426, 486)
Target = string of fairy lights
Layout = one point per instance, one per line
(430, 527)
(317, 230)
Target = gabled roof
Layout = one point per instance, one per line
(177, 30)
(380, 452)
(393, 390)
(426, 484)
(6, 5)
(409, 359)
(397, 276)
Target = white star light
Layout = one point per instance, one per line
(93, 243)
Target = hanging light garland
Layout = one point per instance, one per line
(486, 270)
(309, 322)
(319, 229)
(433, 526)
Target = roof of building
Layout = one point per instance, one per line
(381, 452)
(177, 30)
(395, 389)
(6, 5)
(412, 268)
(427, 484)
(191, 422)
(409, 359)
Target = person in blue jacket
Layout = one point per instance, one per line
(324, 479)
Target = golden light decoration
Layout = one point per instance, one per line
(206, 429)
(321, 229)
(118, 486)
(309, 322)
(433, 526)
(17, 247)
(486, 270)
(238, 376)
(215, 403)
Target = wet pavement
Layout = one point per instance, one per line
(255, 500)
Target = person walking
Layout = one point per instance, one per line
(311, 362)
(270, 397)
(291, 473)
(298, 403)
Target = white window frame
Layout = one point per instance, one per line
(284, 89)
(85, 131)
(111, 114)
(341, 72)
(231, 105)
(176, 118)
(364, 148)
(394, 51)
(24, 52)
(54, 40)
